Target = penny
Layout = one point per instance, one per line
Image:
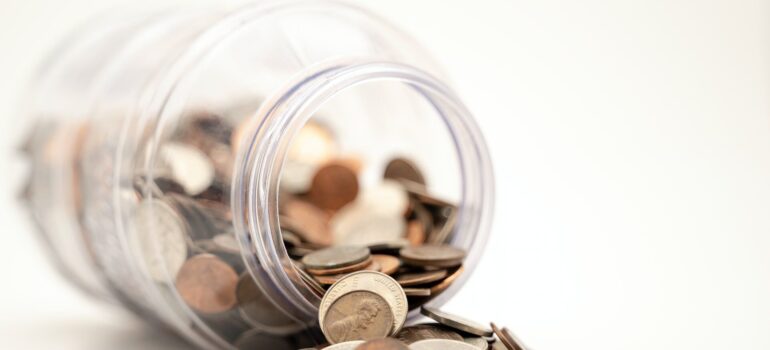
(160, 233)
(335, 257)
(188, 166)
(419, 332)
(207, 284)
(443, 285)
(418, 278)
(333, 187)
(388, 264)
(456, 322)
(506, 338)
(477, 342)
(370, 281)
(441, 344)
(257, 310)
(383, 344)
(348, 345)
(401, 168)
(415, 232)
(417, 292)
(307, 221)
(363, 265)
(357, 315)
(332, 279)
(436, 255)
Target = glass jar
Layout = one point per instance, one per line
(166, 146)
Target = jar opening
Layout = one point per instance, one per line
(345, 109)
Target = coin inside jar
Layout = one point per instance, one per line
(335, 257)
(402, 168)
(383, 344)
(436, 255)
(207, 284)
(419, 332)
(457, 322)
(388, 264)
(333, 187)
(419, 278)
(358, 315)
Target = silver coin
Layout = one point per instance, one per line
(457, 322)
(441, 344)
(334, 257)
(477, 342)
(189, 167)
(227, 243)
(358, 224)
(160, 234)
(348, 345)
(376, 282)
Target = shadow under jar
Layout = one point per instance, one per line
(206, 169)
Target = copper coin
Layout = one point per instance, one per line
(307, 221)
(383, 344)
(443, 285)
(417, 292)
(207, 284)
(334, 257)
(388, 264)
(401, 168)
(415, 232)
(345, 269)
(436, 255)
(506, 338)
(358, 315)
(456, 322)
(333, 187)
(332, 279)
(418, 278)
(419, 332)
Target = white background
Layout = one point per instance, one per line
(631, 141)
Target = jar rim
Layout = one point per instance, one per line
(258, 168)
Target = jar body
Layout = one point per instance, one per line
(161, 141)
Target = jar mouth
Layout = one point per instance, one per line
(255, 191)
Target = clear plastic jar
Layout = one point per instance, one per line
(122, 106)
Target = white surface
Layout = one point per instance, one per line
(632, 148)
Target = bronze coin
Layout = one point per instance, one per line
(506, 338)
(388, 264)
(332, 279)
(418, 278)
(419, 332)
(436, 255)
(307, 221)
(401, 168)
(443, 285)
(343, 270)
(358, 315)
(207, 284)
(417, 292)
(334, 257)
(333, 187)
(456, 322)
(415, 232)
(383, 344)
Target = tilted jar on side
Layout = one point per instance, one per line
(177, 160)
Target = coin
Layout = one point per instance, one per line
(417, 292)
(386, 198)
(333, 187)
(334, 257)
(359, 226)
(348, 345)
(419, 192)
(506, 337)
(456, 322)
(477, 342)
(160, 233)
(441, 344)
(436, 255)
(227, 243)
(388, 264)
(383, 344)
(418, 278)
(370, 281)
(207, 284)
(357, 315)
(188, 166)
(260, 312)
(419, 332)
(364, 265)
(401, 168)
(415, 232)
(310, 282)
(443, 285)
(307, 221)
